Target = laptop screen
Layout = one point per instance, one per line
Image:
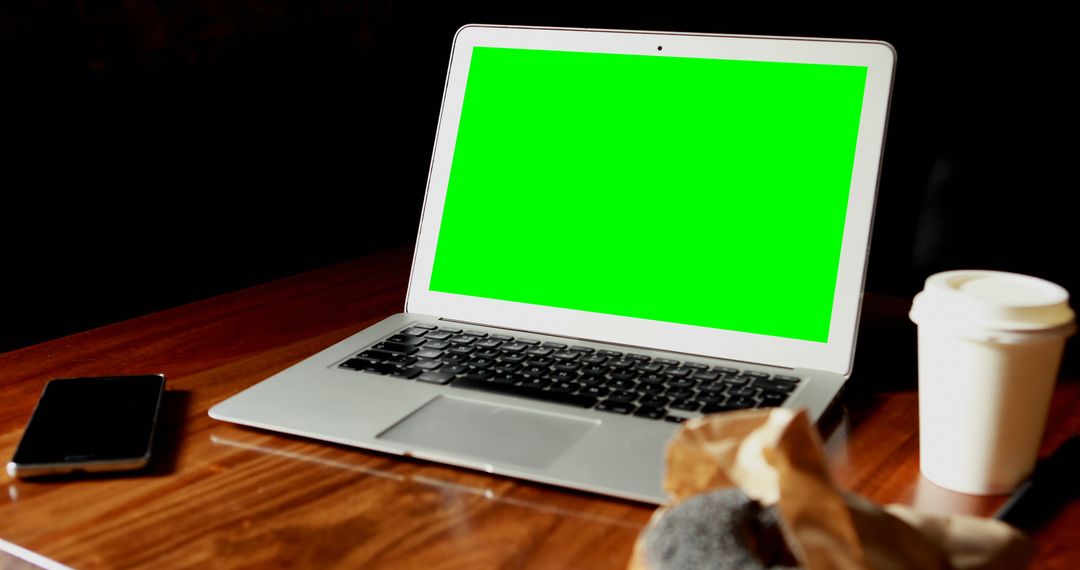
(697, 191)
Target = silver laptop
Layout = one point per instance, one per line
(621, 230)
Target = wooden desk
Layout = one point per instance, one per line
(221, 496)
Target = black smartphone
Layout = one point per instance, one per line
(90, 424)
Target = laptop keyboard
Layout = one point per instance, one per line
(581, 376)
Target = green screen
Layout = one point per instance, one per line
(698, 191)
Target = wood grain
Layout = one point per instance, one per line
(224, 496)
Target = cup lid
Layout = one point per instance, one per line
(994, 300)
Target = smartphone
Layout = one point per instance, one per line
(90, 424)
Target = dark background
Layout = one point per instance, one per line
(160, 152)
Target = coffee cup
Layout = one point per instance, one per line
(990, 346)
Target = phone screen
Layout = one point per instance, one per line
(81, 421)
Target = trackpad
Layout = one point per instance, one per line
(488, 433)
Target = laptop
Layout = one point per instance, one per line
(621, 230)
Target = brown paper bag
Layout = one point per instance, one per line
(775, 457)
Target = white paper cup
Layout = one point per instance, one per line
(990, 346)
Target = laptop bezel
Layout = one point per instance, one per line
(836, 355)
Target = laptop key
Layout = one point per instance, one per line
(579, 400)
(653, 401)
(435, 377)
(650, 412)
(774, 385)
(381, 368)
(709, 398)
(568, 387)
(726, 370)
(707, 376)
(428, 353)
(534, 371)
(651, 389)
(592, 380)
(438, 335)
(358, 363)
(615, 407)
(623, 384)
(507, 367)
(485, 372)
(783, 378)
(414, 331)
(583, 349)
(771, 399)
(427, 364)
(680, 393)
(713, 387)
(609, 353)
(405, 339)
(599, 391)
(508, 378)
(382, 355)
(514, 347)
(639, 357)
(402, 360)
(742, 393)
(396, 347)
(537, 382)
(437, 344)
(488, 343)
(623, 396)
(741, 403)
(455, 368)
(557, 345)
(653, 379)
(407, 373)
(682, 383)
(685, 404)
(502, 337)
(566, 355)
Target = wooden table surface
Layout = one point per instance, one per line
(220, 495)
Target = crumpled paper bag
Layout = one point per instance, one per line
(776, 457)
